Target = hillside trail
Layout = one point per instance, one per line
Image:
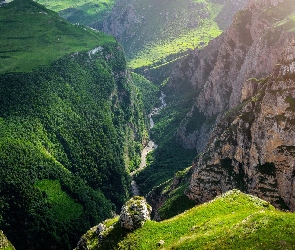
(149, 147)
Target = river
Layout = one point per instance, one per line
(149, 147)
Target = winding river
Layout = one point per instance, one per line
(150, 146)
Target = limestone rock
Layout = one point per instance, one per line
(134, 213)
(250, 48)
(253, 147)
(4, 242)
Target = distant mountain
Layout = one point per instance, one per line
(154, 33)
(72, 127)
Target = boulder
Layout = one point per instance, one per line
(134, 213)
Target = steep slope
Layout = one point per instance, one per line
(249, 48)
(238, 155)
(231, 221)
(34, 36)
(71, 127)
(252, 148)
(154, 33)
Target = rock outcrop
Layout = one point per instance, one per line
(134, 213)
(252, 148)
(4, 242)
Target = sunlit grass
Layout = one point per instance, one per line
(64, 208)
(231, 221)
(58, 5)
(155, 54)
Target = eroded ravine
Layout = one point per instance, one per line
(149, 147)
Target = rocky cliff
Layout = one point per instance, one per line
(249, 48)
(250, 91)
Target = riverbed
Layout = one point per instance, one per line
(149, 147)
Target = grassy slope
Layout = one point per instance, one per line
(231, 221)
(80, 11)
(163, 35)
(32, 36)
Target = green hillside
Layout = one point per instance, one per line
(168, 29)
(32, 36)
(71, 127)
(80, 11)
(153, 33)
(231, 221)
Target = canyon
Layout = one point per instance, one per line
(82, 131)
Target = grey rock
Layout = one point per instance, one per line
(134, 213)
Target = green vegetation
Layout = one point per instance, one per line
(71, 128)
(231, 221)
(155, 55)
(32, 36)
(63, 207)
(176, 202)
(169, 157)
(148, 91)
(81, 11)
(170, 30)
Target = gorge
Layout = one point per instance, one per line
(83, 128)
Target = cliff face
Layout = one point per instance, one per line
(249, 48)
(252, 146)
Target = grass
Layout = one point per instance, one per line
(80, 11)
(32, 36)
(155, 54)
(175, 36)
(231, 221)
(63, 207)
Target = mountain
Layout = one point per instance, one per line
(241, 118)
(156, 34)
(230, 140)
(72, 127)
(231, 221)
